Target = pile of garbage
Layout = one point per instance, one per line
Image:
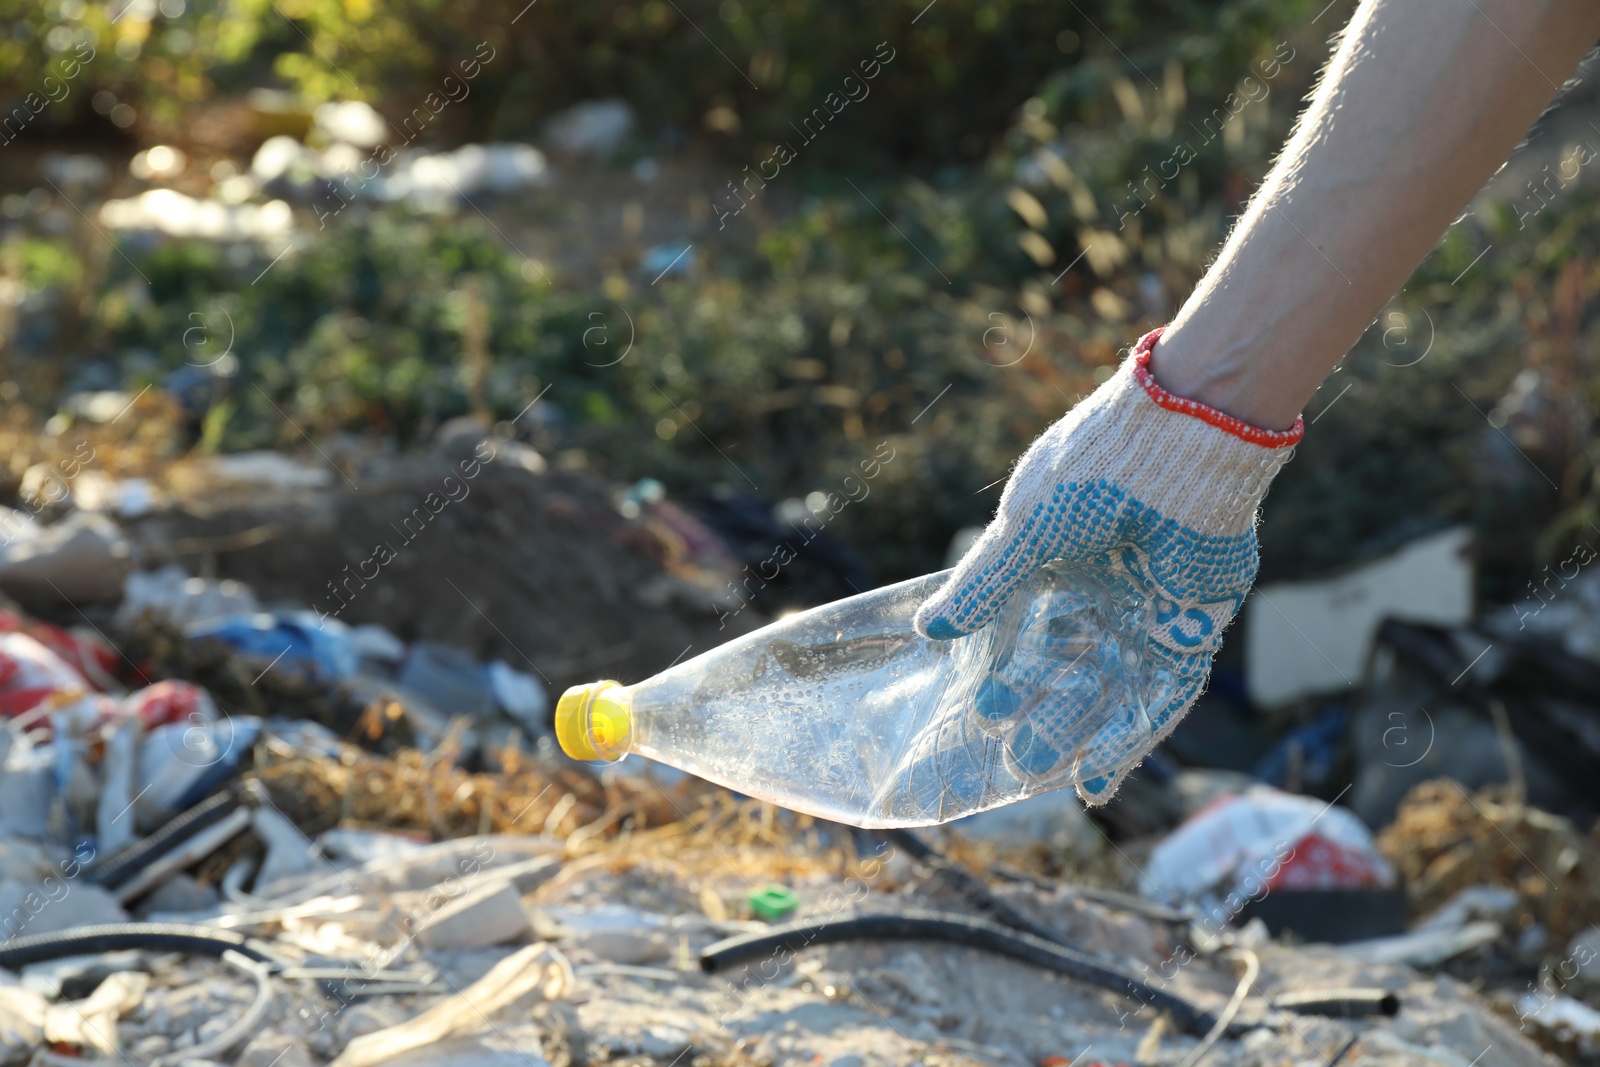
(259, 807)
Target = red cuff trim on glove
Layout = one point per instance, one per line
(1205, 412)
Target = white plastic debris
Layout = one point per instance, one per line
(616, 933)
(175, 757)
(22, 1014)
(535, 969)
(16, 524)
(521, 696)
(114, 829)
(1491, 902)
(171, 591)
(1312, 637)
(1261, 840)
(82, 558)
(1423, 948)
(351, 122)
(594, 127)
(127, 497)
(272, 470)
(289, 853)
(442, 179)
(1565, 608)
(92, 1022)
(177, 215)
(488, 914)
(499, 168)
(27, 787)
(1568, 1021)
(161, 163)
(349, 845)
(74, 170)
(52, 905)
(279, 155)
(98, 405)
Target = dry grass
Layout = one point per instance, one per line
(1444, 840)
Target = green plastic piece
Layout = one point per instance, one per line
(773, 902)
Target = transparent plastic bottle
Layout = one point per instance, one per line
(845, 712)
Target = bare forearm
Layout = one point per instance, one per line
(1422, 102)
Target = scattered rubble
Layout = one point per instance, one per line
(312, 832)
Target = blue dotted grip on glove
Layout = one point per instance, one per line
(1102, 667)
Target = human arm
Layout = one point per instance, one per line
(1419, 106)
(1152, 483)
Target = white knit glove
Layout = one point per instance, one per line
(1156, 496)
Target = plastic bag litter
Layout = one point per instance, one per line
(447, 678)
(86, 653)
(180, 764)
(27, 787)
(374, 642)
(351, 122)
(521, 696)
(92, 1022)
(114, 829)
(32, 675)
(82, 558)
(1265, 839)
(1564, 1019)
(595, 127)
(175, 214)
(616, 932)
(348, 845)
(186, 600)
(21, 1022)
(537, 969)
(288, 641)
(130, 498)
(265, 469)
(170, 701)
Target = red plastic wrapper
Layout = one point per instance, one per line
(31, 674)
(168, 702)
(89, 656)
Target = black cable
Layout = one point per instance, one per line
(1339, 1003)
(18, 952)
(961, 930)
(121, 867)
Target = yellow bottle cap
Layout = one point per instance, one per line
(594, 721)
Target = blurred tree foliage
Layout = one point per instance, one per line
(741, 71)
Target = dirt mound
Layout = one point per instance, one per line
(492, 555)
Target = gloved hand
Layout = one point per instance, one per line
(1159, 495)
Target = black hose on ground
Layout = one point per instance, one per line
(121, 867)
(18, 952)
(1339, 1003)
(957, 929)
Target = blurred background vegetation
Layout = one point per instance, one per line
(961, 254)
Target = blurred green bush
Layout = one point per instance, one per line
(1023, 199)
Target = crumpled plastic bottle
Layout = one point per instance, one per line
(847, 713)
